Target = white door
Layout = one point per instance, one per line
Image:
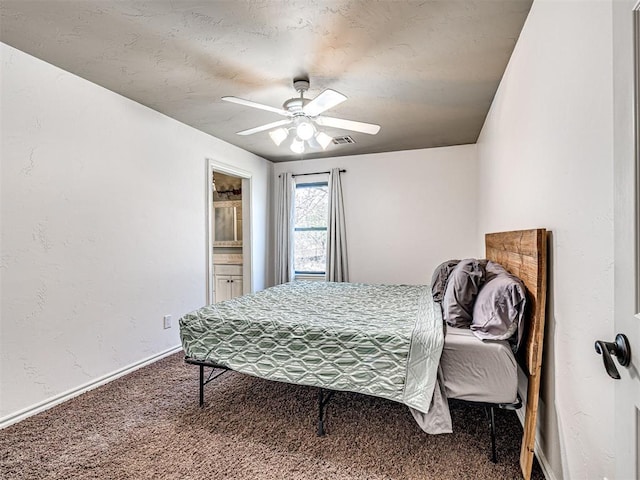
(626, 20)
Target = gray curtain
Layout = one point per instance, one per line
(284, 228)
(337, 269)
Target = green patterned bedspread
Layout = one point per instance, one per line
(382, 340)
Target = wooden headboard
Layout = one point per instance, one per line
(524, 254)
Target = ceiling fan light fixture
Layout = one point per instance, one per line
(303, 117)
(323, 139)
(297, 145)
(279, 135)
(305, 130)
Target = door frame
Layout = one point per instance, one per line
(213, 165)
(636, 150)
(636, 231)
(626, 221)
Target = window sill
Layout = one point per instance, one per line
(316, 277)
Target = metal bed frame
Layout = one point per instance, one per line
(490, 409)
(325, 396)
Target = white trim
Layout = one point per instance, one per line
(247, 235)
(247, 213)
(229, 169)
(636, 135)
(208, 244)
(74, 392)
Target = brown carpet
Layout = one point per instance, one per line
(147, 425)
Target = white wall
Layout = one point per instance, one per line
(406, 211)
(545, 160)
(103, 229)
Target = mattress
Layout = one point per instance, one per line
(477, 370)
(381, 340)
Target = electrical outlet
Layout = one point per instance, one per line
(167, 321)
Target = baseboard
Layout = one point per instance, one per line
(542, 460)
(74, 392)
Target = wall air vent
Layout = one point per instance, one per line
(343, 140)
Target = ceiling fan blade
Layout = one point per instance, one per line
(324, 101)
(249, 103)
(341, 123)
(262, 128)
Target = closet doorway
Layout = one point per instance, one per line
(228, 217)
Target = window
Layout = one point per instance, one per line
(310, 229)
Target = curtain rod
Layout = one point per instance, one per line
(311, 173)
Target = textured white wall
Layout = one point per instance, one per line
(103, 229)
(406, 211)
(545, 160)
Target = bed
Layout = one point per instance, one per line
(381, 340)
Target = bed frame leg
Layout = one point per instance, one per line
(212, 375)
(320, 412)
(201, 386)
(322, 404)
(492, 425)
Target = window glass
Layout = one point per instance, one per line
(310, 231)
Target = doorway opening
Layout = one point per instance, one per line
(228, 231)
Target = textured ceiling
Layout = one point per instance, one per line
(425, 71)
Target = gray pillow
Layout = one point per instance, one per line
(440, 277)
(494, 269)
(499, 309)
(462, 288)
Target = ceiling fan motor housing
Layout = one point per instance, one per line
(301, 84)
(295, 105)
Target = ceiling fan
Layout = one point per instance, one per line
(303, 115)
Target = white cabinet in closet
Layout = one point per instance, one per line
(228, 281)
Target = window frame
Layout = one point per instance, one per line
(307, 273)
